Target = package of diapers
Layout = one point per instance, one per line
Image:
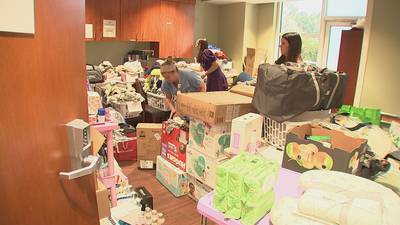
(356, 199)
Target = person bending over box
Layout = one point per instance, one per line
(176, 80)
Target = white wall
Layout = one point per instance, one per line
(231, 32)
(381, 87)
(266, 31)
(206, 21)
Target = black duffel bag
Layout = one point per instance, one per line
(285, 91)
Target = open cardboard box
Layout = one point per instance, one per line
(301, 155)
(213, 107)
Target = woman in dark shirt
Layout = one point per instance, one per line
(290, 48)
(216, 80)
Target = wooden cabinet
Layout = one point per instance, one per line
(131, 19)
(141, 20)
(99, 10)
(151, 20)
(168, 30)
(183, 1)
(170, 23)
(108, 10)
(90, 14)
(177, 30)
(185, 30)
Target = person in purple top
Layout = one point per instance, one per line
(216, 80)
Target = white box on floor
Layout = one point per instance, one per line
(202, 167)
(174, 179)
(197, 189)
(246, 131)
(210, 140)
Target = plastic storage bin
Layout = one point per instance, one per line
(157, 101)
(275, 132)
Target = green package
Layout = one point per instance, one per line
(222, 178)
(252, 214)
(244, 187)
(366, 115)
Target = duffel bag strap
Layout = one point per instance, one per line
(317, 89)
(333, 91)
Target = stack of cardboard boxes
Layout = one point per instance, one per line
(211, 116)
(188, 158)
(171, 165)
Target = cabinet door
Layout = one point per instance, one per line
(185, 30)
(131, 20)
(184, 1)
(108, 10)
(168, 29)
(91, 17)
(349, 61)
(150, 20)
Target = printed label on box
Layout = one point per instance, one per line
(146, 164)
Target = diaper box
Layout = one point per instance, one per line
(213, 107)
(173, 146)
(246, 131)
(202, 167)
(339, 152)
(197, 189)
(210, 140)
(174, 179)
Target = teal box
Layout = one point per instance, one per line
(174, 179)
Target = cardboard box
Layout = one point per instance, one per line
(210, 140)
(103, 202)
(302, 155)
(242, 89)
(202, 167)
(254, 57)
(197, 189)
(94, 102)
(246, 131)
(148, 143)
(173, 146)
(174, 179)
(213, 107)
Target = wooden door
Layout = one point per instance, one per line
(151, 20)
(42, 88)
(131, 20)
(349, 60)
(108, 10)
(185, 29)
(168, 29)
(91, 16)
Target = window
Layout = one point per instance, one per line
(304, 17)
(334, 39)
(320, 24)
(346, 8)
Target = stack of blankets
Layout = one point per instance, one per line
(244, 187)
(332, 197)
(121, 92)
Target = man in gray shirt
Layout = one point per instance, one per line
(179, 81)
